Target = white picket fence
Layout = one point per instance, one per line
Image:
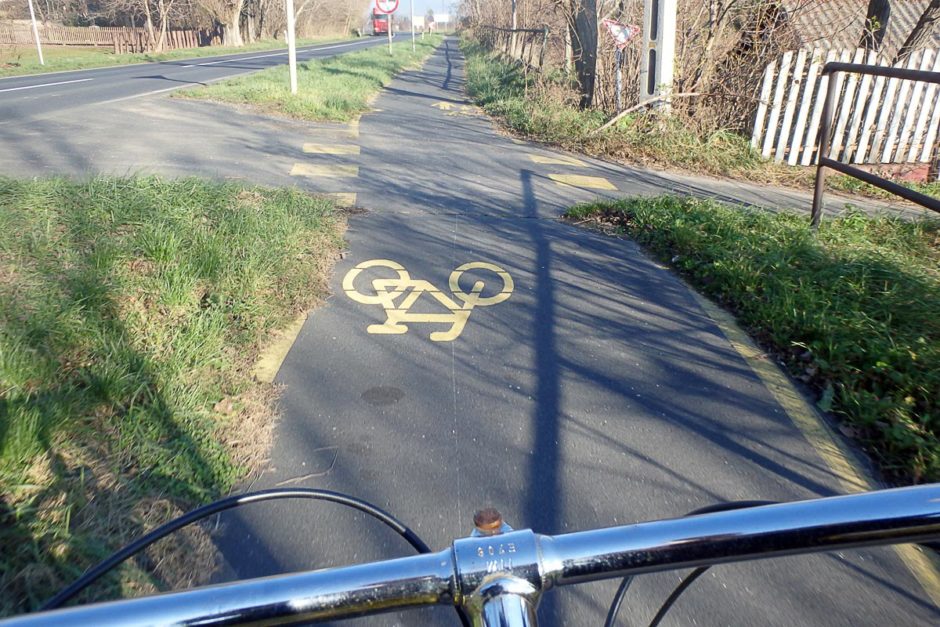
(876, 120)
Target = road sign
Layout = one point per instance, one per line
(386, 6)
(622, 33)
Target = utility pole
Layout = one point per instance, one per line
(32, 16)
(389, 17)
(412, 25)
(291, 47)
(658, 51)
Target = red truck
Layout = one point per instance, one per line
(379, 23)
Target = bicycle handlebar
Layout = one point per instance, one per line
(517, 566)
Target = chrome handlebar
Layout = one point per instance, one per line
(501, 575)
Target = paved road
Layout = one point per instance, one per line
(600, 392)
(24, 97)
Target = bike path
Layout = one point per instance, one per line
(598, 393)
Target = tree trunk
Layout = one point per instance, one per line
(149, 23)
(164, 22)
(232, 33)
(584, 44)
(876, 24)
(921, 33)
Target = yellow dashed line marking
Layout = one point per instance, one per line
(342, 199)
(328, 171)
(827, 444)
(331, 149)
(577, 180)
(273, 356)
(558, 160)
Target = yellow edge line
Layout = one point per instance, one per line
(851, 475)
(271, 358)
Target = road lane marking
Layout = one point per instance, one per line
(558, 160)
(399, 294)
(443, 106)
(342, 199)
(277, 54)
(466, 110)
(578, 180)
(327, 171)
(330, 149)
(841, 462)
(77, 80)
(271, 358)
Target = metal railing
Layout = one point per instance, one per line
(824, 161)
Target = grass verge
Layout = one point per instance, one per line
(131, 312)
(851, 311)
(548, 112)
(334, 89)
(19, 60)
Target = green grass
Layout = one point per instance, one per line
(19, 60)
(843, 183)
(336, 89)
(131, 311)
(546, 111)
(852, 310)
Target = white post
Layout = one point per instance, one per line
(291, 47)
(32, 16)
(412, 25)
(388, 16)
(512, 37)
(659, 50)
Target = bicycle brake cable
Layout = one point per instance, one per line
(685, 583)
(221, 505)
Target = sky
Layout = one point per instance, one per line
(421, 6)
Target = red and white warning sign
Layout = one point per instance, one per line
(622, 33)
(386, 6)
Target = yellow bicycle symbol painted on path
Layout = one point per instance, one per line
(398, 296)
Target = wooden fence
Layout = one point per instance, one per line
(121, 39)
(876, 120)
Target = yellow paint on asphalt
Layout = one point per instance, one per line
(342, 199)
(558, 160)
(585, 182)
(841, 462)
(331, 149)
(466, 110)
(353, 128)
(387, 292)
(443, 106)
(327, 171)
(273, 356)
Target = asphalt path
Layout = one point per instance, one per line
(24, 97)
(600, 392)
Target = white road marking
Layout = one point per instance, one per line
(277, 54)
(77, 80)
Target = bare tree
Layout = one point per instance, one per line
(921, 33)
